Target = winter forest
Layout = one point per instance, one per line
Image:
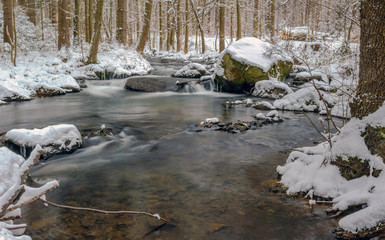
(192, 119)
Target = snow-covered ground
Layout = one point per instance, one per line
(43, 70)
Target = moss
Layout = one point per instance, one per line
(240, 77)
(375, 140)
(354, 168)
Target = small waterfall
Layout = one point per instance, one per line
(194, 86)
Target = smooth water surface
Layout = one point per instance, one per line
(210, 185)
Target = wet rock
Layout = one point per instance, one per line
(374, 138)
(56, 139)
(103, 131)
(47, 91)
(146, 84)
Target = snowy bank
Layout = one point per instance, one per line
(350, 171)
(13, 171)
(62, 138)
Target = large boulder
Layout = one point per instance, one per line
(56, 139)
(247, 61)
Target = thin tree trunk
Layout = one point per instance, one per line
(186, 31)
(222, 26)
(93, 55)
(161, 28)
(178, 27)
(168, 20)
(64, 26)
(199, 27)
(121, 22)
(370, 93)
(31, 11)
(76, 21)
(255, 20)
(8, 22)
(239, 24)
(146, 27)
(231, 21)
(90, 20)
(53, 11)
(272, 21)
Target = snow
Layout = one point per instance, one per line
(211, 120)
(65, 136)
(41, 65)
(310, 168)
(252, 51)
(13, 169)
(265, 89)
(191, 70)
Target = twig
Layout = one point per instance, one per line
(336, 215)
(103, 211)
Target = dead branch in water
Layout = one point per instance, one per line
(104, 211)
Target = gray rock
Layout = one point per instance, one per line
(146, 84)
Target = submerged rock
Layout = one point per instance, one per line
(56, 139)
(248, 61)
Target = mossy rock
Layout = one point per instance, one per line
(354, 167)
(375, 140)
(48, 92)
(104, 75)
(241, 77)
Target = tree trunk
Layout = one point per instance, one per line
(178, 26)
(64, 26)
(370, 93)
(231, 21)
(53, 11)
(199, 25)
(272, 21)
(239, 24)
(31, 11)
(146, 27)
(255, 20)
(89, 9)
(222, 26)
(8, 22)
(168, 24)
(186, 31)
(121, 22)
(161, 28)
(93, 55)
(76, 21)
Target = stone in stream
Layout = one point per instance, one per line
(247, 61)
(192, 70)
(55, 139)
(147, 83)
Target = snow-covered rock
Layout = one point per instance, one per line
(62, 138)
(247, 61)
(271, 89)
(191, 70)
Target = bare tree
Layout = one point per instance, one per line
(239, 21)
(146, 27)
(222, 26)
(121, 22)
(64, 26)
(93, 54)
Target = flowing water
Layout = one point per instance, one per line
(210, 185)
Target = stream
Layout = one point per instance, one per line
(210, 185)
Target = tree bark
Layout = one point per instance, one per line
(31, 11)
(64, 26)
(146, 27)
(8, 23)
(93, 55)
(53, 11)
(89, 9)
(178, 27)
(239, 24)
(186, 31)
(76, 21)
(272, 21)
(370, 92)
(222, 26)
(121, 22)
(161, 28)
(255, 20)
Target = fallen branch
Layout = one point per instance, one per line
(104, 211)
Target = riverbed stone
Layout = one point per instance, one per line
(146, 84)
(191, 70)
